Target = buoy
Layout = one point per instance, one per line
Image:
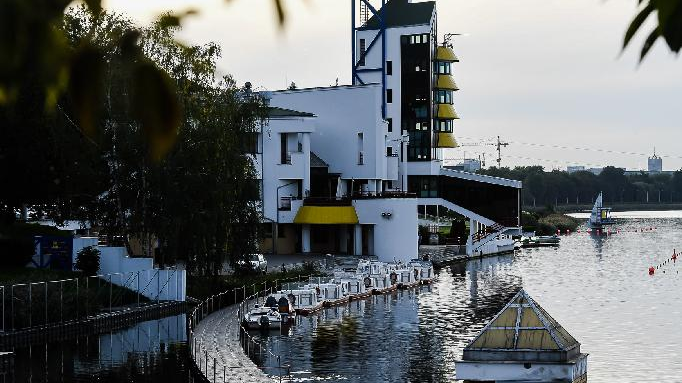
(568, 231)
(651, 270)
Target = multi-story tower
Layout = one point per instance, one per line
(397, 46)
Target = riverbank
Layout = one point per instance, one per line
(580, 208)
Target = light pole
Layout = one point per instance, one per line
(275, 233)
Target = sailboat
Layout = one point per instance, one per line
(600, 215)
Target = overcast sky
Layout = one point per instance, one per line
(542, 74)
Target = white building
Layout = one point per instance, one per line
(345, 168)
(655, 163)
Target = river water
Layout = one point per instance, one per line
(597, 287)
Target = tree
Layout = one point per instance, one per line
(669, 19)
(87, 260)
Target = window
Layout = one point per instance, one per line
(443, 96)
(444, 126)
(284, 154)
(363, 50)
(421, 111)
(389, 96)
(421, 126)
(361, 153)
(266, 229)
(250, 143)
(390, 124)
(443, 67)
(389, 151)
(389, 68)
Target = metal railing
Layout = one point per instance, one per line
(58, 302)
(208, 365)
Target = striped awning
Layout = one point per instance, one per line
(445, 81)
(446, 111)
(446, 54)
(327, 215)
(446, 140)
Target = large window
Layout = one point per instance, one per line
(424, 186)
(444, 126)
(443, 96)
(422, 38)
(443, 67)
(363, 51)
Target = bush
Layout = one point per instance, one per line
(15, 252)
(560, 222)
(87, 260)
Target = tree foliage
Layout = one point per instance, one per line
(88, 260)
(542, 188)
(669, 24)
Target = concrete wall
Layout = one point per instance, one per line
(395, 237)
(535, 372)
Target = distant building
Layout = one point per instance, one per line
(655, 163)
(573, 169)
(467, 165)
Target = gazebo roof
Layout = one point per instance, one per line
(523, 330)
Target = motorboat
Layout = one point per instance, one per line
(539, 240)
(263, 318)
(600, 215)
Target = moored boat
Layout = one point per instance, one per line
(263, 318)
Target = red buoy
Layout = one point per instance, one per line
(651, 270)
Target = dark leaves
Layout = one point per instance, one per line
(156, 107)
(85, 86)
(669, 16)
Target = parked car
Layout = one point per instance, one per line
(256, 262)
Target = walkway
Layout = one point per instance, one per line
(217, 336)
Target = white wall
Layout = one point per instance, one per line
(505, 371)
(395, 237)
(343, 112)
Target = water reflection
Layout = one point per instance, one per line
(147, 352)
(597, 287)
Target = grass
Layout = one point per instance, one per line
(28, 303)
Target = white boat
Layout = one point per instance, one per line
(600, 215)
(262, 318)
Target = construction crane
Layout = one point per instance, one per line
(498, 144)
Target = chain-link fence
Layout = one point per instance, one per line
(49, 303)
(211, 366)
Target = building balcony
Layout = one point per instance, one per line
(392, 165)
(446, 111)
(445, 81)
(294, 166)
(446, 54)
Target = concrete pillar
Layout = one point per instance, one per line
(370, 240)
(343, 239)
(305, 238)
(357, 240)
(306, 165)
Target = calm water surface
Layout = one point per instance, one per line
(597, 287)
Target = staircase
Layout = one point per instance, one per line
(479, 240)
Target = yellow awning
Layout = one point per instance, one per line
(446, 140)
(445, 81)
(326, 215)
(446, 111)
(446, 54)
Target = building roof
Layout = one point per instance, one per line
(523, 331)
(317, 162)
(400, 13)
(274, 111)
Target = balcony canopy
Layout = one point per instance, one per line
(446, 140)
(445, 81)
(327, 215)
(447, 112)
(446, 54)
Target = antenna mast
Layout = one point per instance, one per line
(499, 145)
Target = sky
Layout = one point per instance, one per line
(547, 76)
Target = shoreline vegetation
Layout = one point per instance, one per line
(548, 222)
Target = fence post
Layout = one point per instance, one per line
(110, 293)
(30, 304)
(61, 301)
(45, 303)
(77, 299)
(138, 288)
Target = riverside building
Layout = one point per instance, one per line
(344, 169)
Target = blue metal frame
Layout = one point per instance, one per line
(382, 33)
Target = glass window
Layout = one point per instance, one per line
(443, 67)
(389, 96)
(443, 96)
(389, 68)
(444, 126)
(390, 124)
